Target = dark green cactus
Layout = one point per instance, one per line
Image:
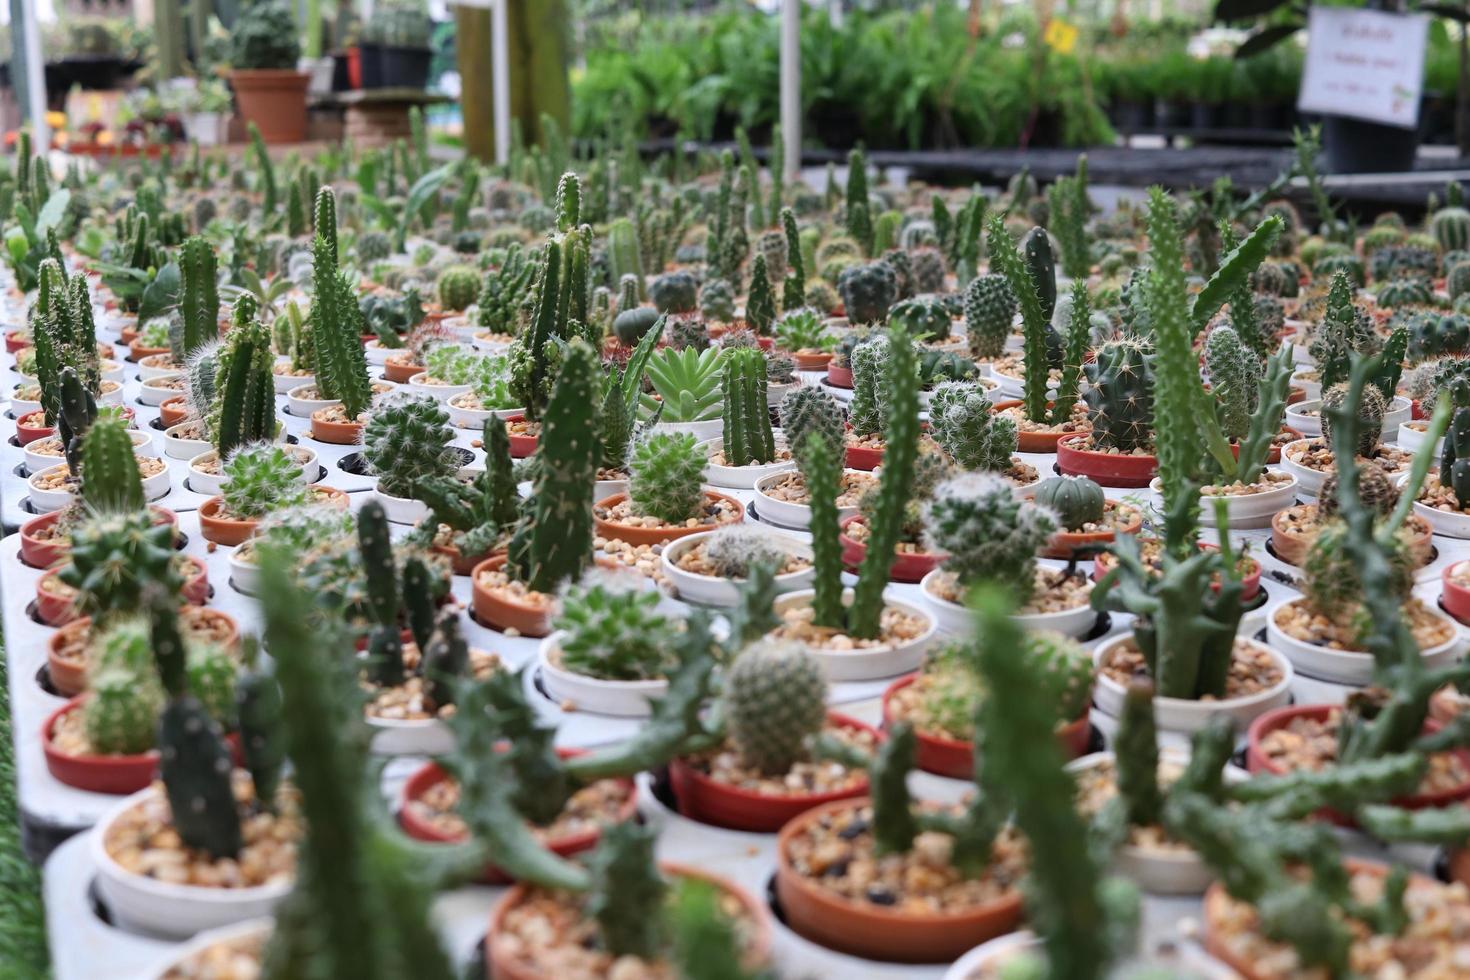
(1454, 465)
(336, 319)
(1136, 752)
(894, 823)
(1076, 500)
(1035, 302)
(820, 462)
(1120, 400)
(245, 403)
(446, 658)
(115, 560)
(628, 892)
(199, 298)
(868, 291)
(417, 591)
(78, 410)
(385, 649)
(258, 708)
(110, 480)
(760, 301)
(194, 764)
(483, 509)
(793, 293)
(748, 437)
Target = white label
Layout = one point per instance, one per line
(1364, 63)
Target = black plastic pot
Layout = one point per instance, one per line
(341, 80)
(1266, 115)
(1134, 115)
(1171, 114)
(405, 67)
(1355, 146)
(371, 55)
(1235, 115)
(1204, 115)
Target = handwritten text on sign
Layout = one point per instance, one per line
(1365, 64)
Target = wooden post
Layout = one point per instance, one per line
(472, 52)
(538, 63)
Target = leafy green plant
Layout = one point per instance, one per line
(687, 383)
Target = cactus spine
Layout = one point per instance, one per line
(110, 480)
(747, 436)
(1454, 466)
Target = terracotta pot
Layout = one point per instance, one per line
(173, 411)
(431, 775)
(136, 351)
(877, 932)
(127, 334)
(1296, 395)
(1256, 760)
(39, 553)
(1109, 469)
(461, 564)
(1293, 550)
(956, 759)
(30, 433)
(275, 100)
(1273, 455)
(114, 774)
(222, 530)
(1064, 543)
(501, 964)
(521, 446)
(906, 567)
(654, 535)
(813, 362)
(336, 433)
(1034, 442)
(839, 377)
(863, 457)
(68, 677)
(15, 341)
(712, 802)
(501, 612)
(53, 608)
(1454, 597)
(398, 372)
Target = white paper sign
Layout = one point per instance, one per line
(1364, 63)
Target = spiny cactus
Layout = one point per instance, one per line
(666, 477)
(1235, 374)
(1069, 212)
(341, 365)
(868, 291)
(244, 408)
(120, 713)
(407, 440)
(810, 409)
(1451, 228)
(734, 550)
(988, 534)
(748, 437)
(1120, 400)
(774, 698)
(194, 764)
(717, 301)
(1404, 291)
(199, 296)
(457, 287)
(962, 422)
(115, 559)
(760, 300)
(1076, 500)
(794, 284)
(869, 365)
(925, 318)
(990, 309)
(1333, 583)
(674, 292)
(1371, 409)
(111, 483)
(78, 410)
(614, 631)
(1375, 490)
(1454, 465)
(819, 458)
(380, 572)
(259, 478)
(1433, 335)
(482, 510)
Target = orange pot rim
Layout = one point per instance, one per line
(707, 782)
(649, 535)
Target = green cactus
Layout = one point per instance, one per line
(628, 892)
(482, 510)
(1404, 291)
(503, 292)
(406, 441)
(1120, 400)
(986, 532)
(115, 559)
(385, 649)
(613, 633)
(244, 407)
(1036, 297)
(1433, 335)
(760, 301)
(78, 410)
(1451, 228)
(211, 673)
(258, 714)
(961, 420)
(1454, 466)
(794, 285)
(622, 253)
(1235, 375)
(774, 698)
(717, 301)
(925, 318)
(1349, 266)
(111, 483)
(1136, 752)
(336, 320)
(666, 477)
(120, 714)
(990, 309)
(808, 409)
(1070, 210)
(869, 366)
(674, 292)
(748, 437)
(457, 287)
(260, 478)
(194, 764)
(1370, 412)
(819, 458)
(859, 217)
(199, 297)
(868, 291)
(1076, 500)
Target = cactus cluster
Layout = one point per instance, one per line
(925, 318)
(479, 511)
(868, 291)
(1434, 335)
(1235, 375)
(674, 292)
(988, 534)
(613, 630)
(504, 291)
(260, 478)
(407, 440)
(970, 433)
(1405, 291)
(748, 438)
(1371, 408)
(1120, 399)
(666, 477)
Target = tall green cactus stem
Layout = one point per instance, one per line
(747, 435)
(568, 202)
(1042, 266)
(1231, 282)
(258, 709)
(446, 658)
(1136, 755)
(78, 412)
(380, 571)
(418, 600)
(793, 289)
(194, 764)
(245, 402)
(1070, 210)
(894, 824)
(1074, 352)
(1454, 466)
(859, 217)
(1391, 363)
(1272, 390)
(1235, 373)
(627, 894)
(1006, 260)
(760, 301)
(111, 483)
(1121, 398)
(865, 411)
(266, 171)
(1343, 331)
(116, 558)
(623, 255)
(560, 543)
(335, 318)
(901, 443)
(820, 461)
(199, 299)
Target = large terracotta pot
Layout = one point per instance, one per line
(710, 801)
(501, 612)
(275, 100)
(223, 530)
(878, 932)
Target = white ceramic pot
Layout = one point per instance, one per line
(785, 513)
(1445, 522)
(254, 929)
(155, 390)
(304, 399)
(21, 407)
(1245, 511)
(1009, 385)
(1312, 690)
(1300, 355)
(1307, 425)
(1400, 410)
(1410, 438)
(628, 699)
(140, 903)
(874, 663)
(1345, 666)
(401, 510)
(44, 501)
(157, 486)
(376, 353)
(176, 447)
(474, 418)
(609, 488)
(440, 392)
(36, 461)
(1312, 389)
(112, 394)
(955, 618)
(741, 477)
(114, 371)
(713, 591)
(1185, 716)
(702, 430)
(482, 340)
(421, 736)
(285, 382)
(775, 393)
(244, 575)
(155, 366)
(1308, 480)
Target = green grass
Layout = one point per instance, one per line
(23, 954)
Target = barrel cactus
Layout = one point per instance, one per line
(1451, 228)
(458, 286)
(926, 318)
(1434, 335)
(774, 700)
(717, 301)
(1371, 409)
(990, 310)
(407, 440)
(1405, 291)
(868, 291)
(675, 292)
(1077, 500)
(1120, 401)
(666, 477)
(810, 409)
(1457, 279)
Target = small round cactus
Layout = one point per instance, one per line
(1077, 500)
(211, 677)
(821, 296)
(1330, 576)
(406, 439)
(774, 699)
(458, 286)
(121, 711)
(990, 309)
(688, 332)
(927, 269)
(717, 301)
(1451, 228)
(1457, 279)
(972, 435)
(1404, 291)
(372, 246)
(1375, 490)
(926, 318)
(868, 291)
(612, 630)
(988, 534)
(810, 409)
(675, 292)
(1371, 408)
(1433, 334)
(666, 477)
(260, 478)
(733, 550)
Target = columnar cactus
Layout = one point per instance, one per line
(793, 287)
(120, 713)
(1120, 400)
(988, 534)
(78, 410)
(774, 699)
(1371, 409)
(867, 291)
(990, 309)
(504, 290)
(1036, 295)
(1454, 463)
(975, 437)
(666, 477)
(482, 510)
(380, 572)
(760, 300)
(341, 364)
(194, 764)
(199, 296)
(111, 483)
(819, 458)
(407, 440)
(747, 433)
(1076, 500)
(1235, 374)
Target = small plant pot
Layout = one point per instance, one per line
(400, 510)
(223, 530)
(1411, 437)
(117, 775)
(155, 391)
(145, 904)
(776, 393)
(1343, 666)
(431, 775)
(1185, 716)
(68, 677)
(38, 461)
(872, 663)
(1108, 469)
(182, 961)
(300, 405)
(16, 341)
(953, 617)
(1256, 760)
(40, 552)
(1447, 523)
(335, 433)
(275, 100)
(806, 361)
(1308, 479)
(46, 499)
(521, 446)
(417, 384)
(503, 613)
(709, 801)
(956, 759)
(1253, 510)
(474, 418)
(877, 932)
(1064, 544)
(863, 458)
(30, 433)
(740, 477)
(625, 699)
(1454, 597)
(788, 514)
(21, 407)
(1033, 441)
(839, 377)
(715, 591)
(178, 447)
(702, 429)
(907, 566)
(409, 736)
(156, 366)
(284, 381)
(398, 372)
(173, 411)
(636, 535)
(1309, 389)
(136, 351)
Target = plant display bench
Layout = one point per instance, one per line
(378, 116)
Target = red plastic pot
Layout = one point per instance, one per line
(173, 411)
(956, 759)
(1033, 441)
(906, 567)
(709, 801)
(431, 775)
(1454, 597)
(25, 433)
(15, 341)
(354, 67)
(39, 553)
(863, 457)
(116, 775)
(839, 377)
(521, 446)
(1256, 760)
(1108, 469)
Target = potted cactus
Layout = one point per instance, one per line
(748, 448)
(258, 479)
(710, 566)
(976, 438)
(269, 90)
(666, 498)
(1086, 518)
(406, 441)
(341, 365)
